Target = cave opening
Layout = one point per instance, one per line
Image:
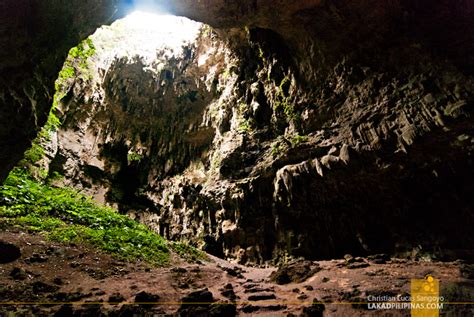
(95, 82)
(128, 115)
(153, 110)
(283, 158)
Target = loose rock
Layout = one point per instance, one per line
(145, 297)
(18, 274)
(295, 272)
(8, 252)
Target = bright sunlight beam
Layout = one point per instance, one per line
(144, 33)
(179, 28)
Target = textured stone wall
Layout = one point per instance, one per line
(333, 127)
(35, 37)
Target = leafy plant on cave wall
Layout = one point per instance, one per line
(76, 66)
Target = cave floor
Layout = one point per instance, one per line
(55, 274)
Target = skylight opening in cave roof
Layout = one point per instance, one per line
(145, 34)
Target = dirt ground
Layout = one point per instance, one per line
(69, 280)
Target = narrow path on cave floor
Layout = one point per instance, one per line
(53, 272)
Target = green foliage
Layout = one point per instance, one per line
(261, 54)
(76, 64)
(284, 143)
(215, 162)
(55, 176)
(297, 139)
(277, 148)
(287, 108)
(188, 252)
(284, 85)
(62, 214)
(226, 73)
(51, 126)
(283, 101)
(244, 126)
(232, 68)
(66, 72)
(83, 50)
(206, 31)
(133, 157)
(34, 154)
(53, 123)
(243, 107)
(245, 123)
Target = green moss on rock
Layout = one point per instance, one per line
(62, 214)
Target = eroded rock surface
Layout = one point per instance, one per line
(323, 128)
(35, 37)
(232, 150)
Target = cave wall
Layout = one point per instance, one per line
(341, 127)
(35, 37)
(129, 122)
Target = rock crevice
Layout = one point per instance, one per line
(316, 130)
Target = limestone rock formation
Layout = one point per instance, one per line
(297, 128)
(35, 37)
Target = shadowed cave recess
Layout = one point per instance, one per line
(265, 133)
(259, 132)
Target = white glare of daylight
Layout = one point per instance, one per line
(169, 29)
(144, 33)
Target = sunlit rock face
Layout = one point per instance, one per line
(226, 145)
(35, 37)
(144, 99)
(323, 128)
